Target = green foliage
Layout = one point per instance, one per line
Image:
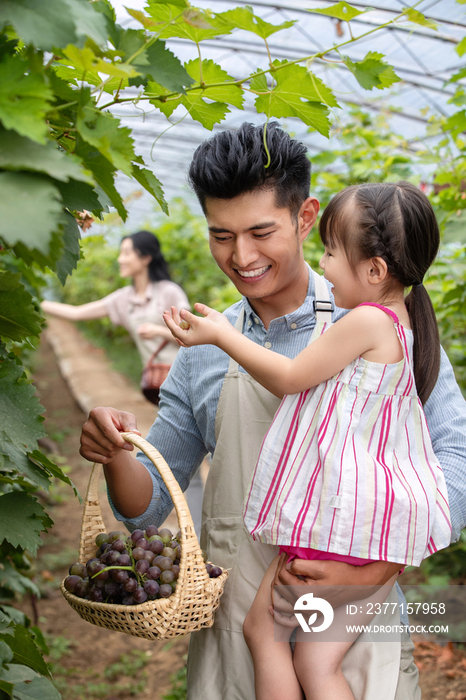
(63, 65)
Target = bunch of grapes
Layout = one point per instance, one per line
(130, 569)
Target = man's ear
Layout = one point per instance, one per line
(307, 217)
(376, 270)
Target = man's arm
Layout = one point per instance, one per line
(136, 492)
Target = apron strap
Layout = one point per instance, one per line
(323, 307)
(233, 365)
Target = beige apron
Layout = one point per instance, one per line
(219, 663)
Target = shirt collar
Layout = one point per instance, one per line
(135, 299)
(301, 317)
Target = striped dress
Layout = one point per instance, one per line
(348, 467)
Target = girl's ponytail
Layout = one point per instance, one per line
(426, 340)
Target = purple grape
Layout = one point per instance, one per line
(111, 588)
(157, 560)
(94, 567)
(170, 553)
(151, 531)
(149, 556)
(91, 560)
(143, 543)
(151, 588)
(136, 535)
(166, 535)
(138, 553)
(165, 564)
(119, 546)
(110, 557)
(142, 566)
(123, 560)
(176, 570)
(139, 595)
(104, 548)
(95, 594)
(128, 600)
(119, 575)
(71, 582)
(167, 576)
(178, 536)
(82, 588)
(130, 585)
(99, 583)
(215, 572)
(154, 572)
(165, 590)
(209, 567)
(173, 544)
(156, 546)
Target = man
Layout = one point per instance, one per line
(258, 218)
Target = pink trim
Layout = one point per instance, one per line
(382, 308)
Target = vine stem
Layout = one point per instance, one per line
(240, 81)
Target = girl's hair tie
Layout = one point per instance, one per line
(417, 284)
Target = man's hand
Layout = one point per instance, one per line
(340, 582)
(100, 437)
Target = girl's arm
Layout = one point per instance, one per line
(84, 312)
(360, 331)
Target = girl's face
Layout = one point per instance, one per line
(131, 264)
(348, 287)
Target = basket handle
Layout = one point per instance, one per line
(179, 501)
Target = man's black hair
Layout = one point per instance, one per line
(232, 163)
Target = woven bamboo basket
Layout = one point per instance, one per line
(196, 597)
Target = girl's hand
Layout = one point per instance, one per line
(201, 331)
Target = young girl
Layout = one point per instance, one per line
(346, 471)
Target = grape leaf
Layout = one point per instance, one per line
(6, 654)
(142, 18)
(372, 72)
(77, 196)
(244, 18)
(24, 99)
(11, 580)
(71, 251)
(103, 131)
(418, 18)
(16, 462)
(20, 153)
(22, 519)
(162, 65)
(30, 210)
(55, 23)
(55, 471)
(86, 61)
(74, 74)
(213, 73)
(104, 175)
(184, 26)
(18, 317)
(339, 10)
(7, 688)
(147, 179)
(20, 410)
(208, 114)
(461, 47)
(297, 93)
(16, 673)
(25, 650)
(167, 107)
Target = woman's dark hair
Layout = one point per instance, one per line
(146, 243)
(395, 222)
(232, 163)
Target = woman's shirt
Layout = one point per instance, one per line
(126, 308)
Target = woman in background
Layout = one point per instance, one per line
(138, 308)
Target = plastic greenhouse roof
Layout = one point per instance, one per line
(424, 59)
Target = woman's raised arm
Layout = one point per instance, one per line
(83, 312)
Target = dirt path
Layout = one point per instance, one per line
(90, 662)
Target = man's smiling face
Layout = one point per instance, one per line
(258, 245)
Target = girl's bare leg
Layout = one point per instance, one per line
(318, 664)
(269, 644)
